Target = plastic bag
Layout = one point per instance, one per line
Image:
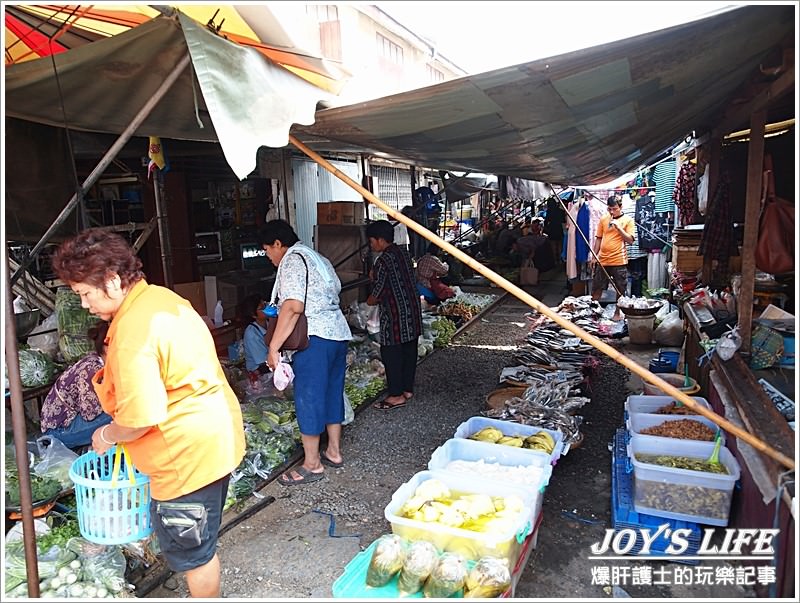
(101, 565)
(374, 320)
(728, 343)
(447, 578)
(283, 376)
(56, 460)
(489, 578)
(46, 342)
(387, 559)
(670, 331)
(73, 325)
(355, 317)
(421, 558)
(349, 415)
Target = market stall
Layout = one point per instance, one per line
(572, 328)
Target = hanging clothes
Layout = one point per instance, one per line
(656, 270)
(631, 208)
(581, 248)
(702, 192)
(717, 238)
(664, 175)
(654, 230)
(685, 193)
(572, 267)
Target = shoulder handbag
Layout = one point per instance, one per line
(775, 246)
(298, 338)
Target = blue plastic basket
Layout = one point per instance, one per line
(624, 516)
(112, 497)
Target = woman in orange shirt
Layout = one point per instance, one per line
(171, 404)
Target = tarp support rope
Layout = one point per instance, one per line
(522, 295)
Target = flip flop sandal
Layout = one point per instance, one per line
(383, 405)
(327, 461)
(306, 477)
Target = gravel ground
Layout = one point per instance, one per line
(299, 545)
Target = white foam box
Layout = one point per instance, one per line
(638, 421)
(684, 494)
(650, 404)
(475, 424)
(470, 544)
(457, 449)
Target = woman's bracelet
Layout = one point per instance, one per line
(102, 437)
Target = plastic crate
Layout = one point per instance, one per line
(636, 422)
(650, 404)
(624, 516)
(507, 456)
(352, 584)
(697, 496)
(475, 424)
(470, 544)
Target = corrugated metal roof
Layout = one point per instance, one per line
(584, 117)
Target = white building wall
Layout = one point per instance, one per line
(313, 184)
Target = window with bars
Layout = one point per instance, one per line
(393, 187)
(389, 50)
(434, 75)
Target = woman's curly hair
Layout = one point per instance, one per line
(95, 255)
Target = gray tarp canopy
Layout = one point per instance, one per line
(585, 117)
(232, 94)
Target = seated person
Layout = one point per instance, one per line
(71, 411)
(255, 348)
(429, 273)
(526, 247)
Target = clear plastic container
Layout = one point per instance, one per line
(475, 424)
(684, 494)
(458, 449)
(473, 545)
(637, 421)
(650, 404)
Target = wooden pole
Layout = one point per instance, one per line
(755, 175)
(540, 307)
(21, 448)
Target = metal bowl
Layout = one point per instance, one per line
(640, 311)
(25, 322)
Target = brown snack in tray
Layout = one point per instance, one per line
(684, 429)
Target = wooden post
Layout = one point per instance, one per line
(755, 169)
(714, 156)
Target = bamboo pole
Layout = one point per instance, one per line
(540, 307)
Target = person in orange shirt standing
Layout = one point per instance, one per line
(171, 404)
(614, 231)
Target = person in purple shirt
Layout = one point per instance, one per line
(71, 411)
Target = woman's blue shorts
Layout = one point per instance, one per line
(319, 384)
